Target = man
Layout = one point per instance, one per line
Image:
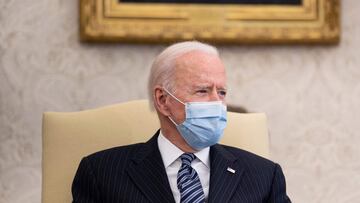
(182, 162)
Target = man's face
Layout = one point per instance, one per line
(199, 77)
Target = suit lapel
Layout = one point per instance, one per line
(224, 174)
(148, 173)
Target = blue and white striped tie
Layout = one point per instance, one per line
(188, 181)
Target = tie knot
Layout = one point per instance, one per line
(187, 158)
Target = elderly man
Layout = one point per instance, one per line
(182, 162)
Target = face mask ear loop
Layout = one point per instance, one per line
(172, 121)
(176, 100)
(173, 96)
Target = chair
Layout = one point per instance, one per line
(67, 137)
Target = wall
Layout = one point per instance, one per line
(310, 93)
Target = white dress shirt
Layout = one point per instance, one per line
(171, 157)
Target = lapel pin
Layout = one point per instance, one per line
(230, 170)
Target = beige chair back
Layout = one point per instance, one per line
(67, 137)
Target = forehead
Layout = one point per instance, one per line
(199, 68)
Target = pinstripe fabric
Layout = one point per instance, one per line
(136, 173)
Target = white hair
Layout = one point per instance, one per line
(163, 67)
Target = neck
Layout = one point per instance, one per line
(170, 132)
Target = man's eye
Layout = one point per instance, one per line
(201, 91)
(222, 93)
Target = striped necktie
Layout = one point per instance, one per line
(188, 181)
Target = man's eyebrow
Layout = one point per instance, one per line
(222, 88)
(208, 87)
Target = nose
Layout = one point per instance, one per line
(214, 96)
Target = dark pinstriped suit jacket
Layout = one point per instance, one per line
(136, 173)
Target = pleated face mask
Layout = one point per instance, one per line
(204, 123)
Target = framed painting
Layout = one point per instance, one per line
(216, 21)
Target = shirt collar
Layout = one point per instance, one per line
(169, 152)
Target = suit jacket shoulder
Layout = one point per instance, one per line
(121, 154)
(248, 157)
(133, 173)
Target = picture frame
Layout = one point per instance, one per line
(313, 21)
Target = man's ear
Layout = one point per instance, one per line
(160, 101)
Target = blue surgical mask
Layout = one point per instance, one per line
(204, 123)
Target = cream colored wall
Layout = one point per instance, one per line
(310, 93)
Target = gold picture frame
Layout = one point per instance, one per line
(314, 21)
